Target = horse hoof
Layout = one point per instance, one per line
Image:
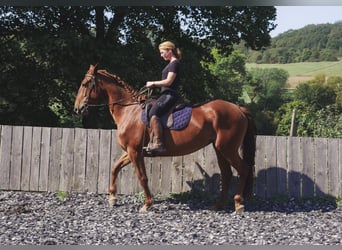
(144, 209)
(239, 209)
(112, 200)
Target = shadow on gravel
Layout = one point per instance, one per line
(285, 192)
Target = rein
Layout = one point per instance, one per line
(93, 86)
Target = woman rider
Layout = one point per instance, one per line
(168, 96)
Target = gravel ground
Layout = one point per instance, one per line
(86, 219)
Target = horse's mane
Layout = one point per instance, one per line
(118, 81)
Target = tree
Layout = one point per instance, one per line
(312, 43)
(315, 95)
(267, 87)
(304, 118)
(335, 82)
(231, 75)
(318, 115)
(264, 95)
(48, 49)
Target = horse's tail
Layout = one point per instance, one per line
(248, 151)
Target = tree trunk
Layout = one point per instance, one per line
(119, 16)
(100, 26)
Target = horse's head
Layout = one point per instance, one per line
(87, 93)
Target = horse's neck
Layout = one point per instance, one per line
(120, 99)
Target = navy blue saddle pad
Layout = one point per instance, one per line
(180, 120)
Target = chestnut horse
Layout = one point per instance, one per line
(227, 126)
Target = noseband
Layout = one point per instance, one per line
(92, 86)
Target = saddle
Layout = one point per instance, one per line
(178, 117)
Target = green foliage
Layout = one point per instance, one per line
(46, 50)
(305, 116)
(61, 195)
(317, 113)
(328, 122)
(264, 95)
(315, 94)
(313, 43)
(336, 84)
(230, 75)
(268, 85)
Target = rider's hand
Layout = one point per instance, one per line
(150, 84)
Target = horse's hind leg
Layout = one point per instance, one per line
(231, 155)
(226, 176)
(243, 171)
(118, 165)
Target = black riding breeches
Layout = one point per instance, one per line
(163, 104)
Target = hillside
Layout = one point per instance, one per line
(301, 72)
(313, 43)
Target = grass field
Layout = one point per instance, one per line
(301, 72)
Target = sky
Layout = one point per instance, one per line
(296, 17)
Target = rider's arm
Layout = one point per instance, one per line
(162, 83)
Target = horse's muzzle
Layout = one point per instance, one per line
(82, 109)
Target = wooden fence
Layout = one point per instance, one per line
(75, 159)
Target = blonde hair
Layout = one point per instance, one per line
(171, 46)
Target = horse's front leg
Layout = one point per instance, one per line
(140, 170)
(118, 165)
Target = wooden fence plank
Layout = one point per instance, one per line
(199, 174)
(35, 158)
(271, 166)
(5, 156)
(26, 161)
(122, 183)
(115, 154)
(281, 165)
(129, 180)
(321, 175)
(260, 167)
(92, 167)
(44, 159)
(104, 161)
(187, 173)
(294, 163)
(16, 158)
(332, 167)
(55, 159)
(153, 167)
(80, 161)
(176, 174)
(126, 178)
(308, 172)
(213, 183)
(339, 194)
(165, 185)
(67, 160)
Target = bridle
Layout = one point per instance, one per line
(93, 87)
(92, 82)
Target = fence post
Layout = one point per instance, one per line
(293, 129)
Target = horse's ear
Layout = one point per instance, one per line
(96, 66)
(93, 67)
